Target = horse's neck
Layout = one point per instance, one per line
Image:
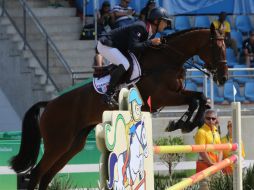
(191, 43)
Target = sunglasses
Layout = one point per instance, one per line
(210, 118)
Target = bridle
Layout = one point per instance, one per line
(213, 68)
(217, 61)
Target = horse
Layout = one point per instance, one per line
(67, 120)
(132, 160)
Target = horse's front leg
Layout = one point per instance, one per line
(185, 119)
(198, 119)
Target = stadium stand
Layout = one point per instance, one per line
(197, 77)
(229, 93)
(202, 21)
(216, 95)
(243, 24)
(241, 76)
(231, 58)
(249, 91)
(189, 85)
(237, 36)
(198, 60)
(182, 23)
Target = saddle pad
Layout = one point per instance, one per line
(101, 84)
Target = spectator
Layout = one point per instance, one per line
(227, 153)
(208, 134)
(146, 10)
(248, 50)
(104, 18)
(123, 14)
(223, 25)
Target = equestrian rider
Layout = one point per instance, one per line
(134, 38)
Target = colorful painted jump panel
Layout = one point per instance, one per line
(125, 141)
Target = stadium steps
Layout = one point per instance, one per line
(20, 83)
(64, 29)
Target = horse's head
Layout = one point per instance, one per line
(215, 56)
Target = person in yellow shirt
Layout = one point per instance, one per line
(223, 25)
(208, 134)
(227, 153)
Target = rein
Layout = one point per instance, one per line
(165, 45)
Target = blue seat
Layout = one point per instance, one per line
(189, 85)
(228, 92)
(237, 36)
(243, 24)
(249, 91)
(187, 66)
(231, 58)
(197, 77)
(202, 21)
(216, 95)
(198, 60)
(237, 74)
(182, 23)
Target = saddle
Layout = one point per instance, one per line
(102, 75)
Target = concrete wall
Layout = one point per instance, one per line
(17, 81)
(9, 120)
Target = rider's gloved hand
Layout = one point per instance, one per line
(156, 41)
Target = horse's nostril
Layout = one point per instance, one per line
(224, 79)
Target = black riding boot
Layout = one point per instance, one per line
(115, 79)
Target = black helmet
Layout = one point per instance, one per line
(158, 13)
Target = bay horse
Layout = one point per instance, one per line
(67, 120)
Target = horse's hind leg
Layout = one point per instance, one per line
(48, 160)
(76, 147)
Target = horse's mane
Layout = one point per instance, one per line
(182, 32)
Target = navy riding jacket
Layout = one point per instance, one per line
(132, 37)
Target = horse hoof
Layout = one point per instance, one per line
(188, 127)
(171, 127)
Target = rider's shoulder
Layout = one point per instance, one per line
(139, 23)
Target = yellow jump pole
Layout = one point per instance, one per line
(194, 148)
(204, 174)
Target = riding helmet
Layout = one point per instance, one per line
(158, 13)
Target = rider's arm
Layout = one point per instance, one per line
(138, 40)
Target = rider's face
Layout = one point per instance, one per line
(210, 119)
(163, 24)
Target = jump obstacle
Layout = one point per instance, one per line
(125, 142)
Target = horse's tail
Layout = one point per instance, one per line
(112, 162)
(30, 140)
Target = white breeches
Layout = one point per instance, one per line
(113, 55)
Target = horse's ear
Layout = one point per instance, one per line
(212, 28)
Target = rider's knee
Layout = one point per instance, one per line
(126, 65)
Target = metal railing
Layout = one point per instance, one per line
(39, 43)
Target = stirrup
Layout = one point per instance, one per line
(109, 99)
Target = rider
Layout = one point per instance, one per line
(134, 38)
